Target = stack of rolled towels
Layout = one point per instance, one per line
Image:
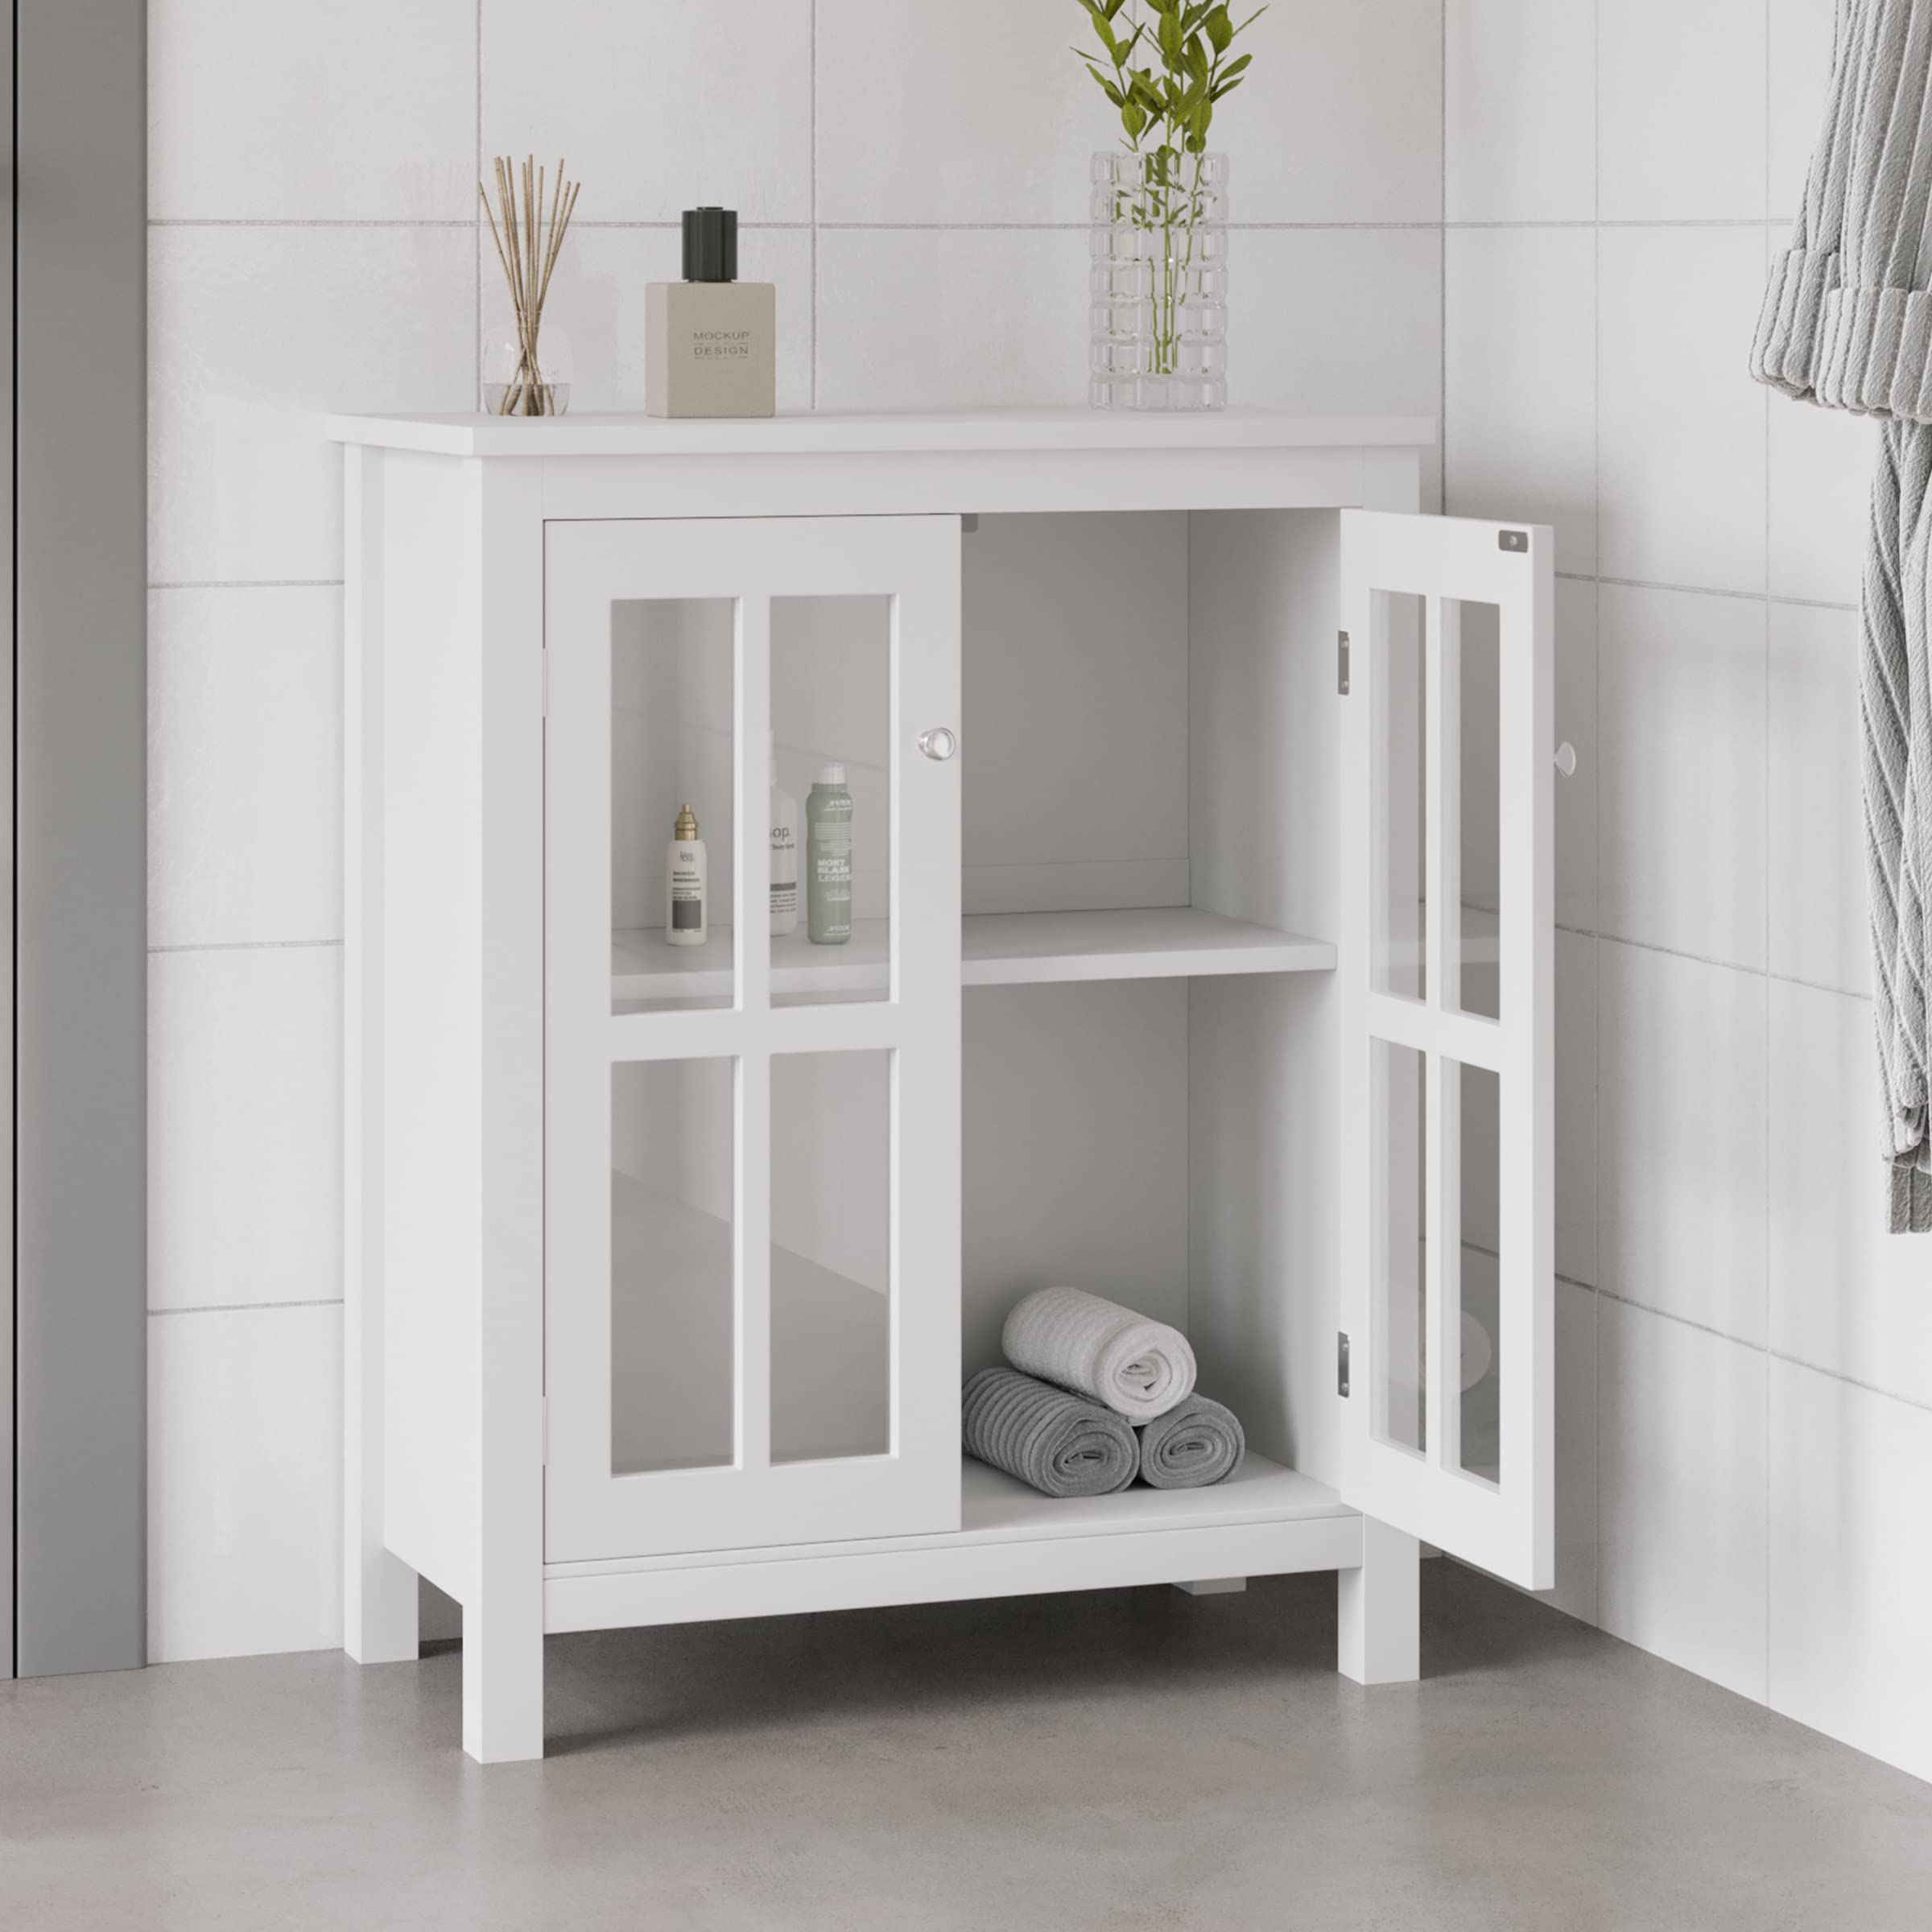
(1095, 1396)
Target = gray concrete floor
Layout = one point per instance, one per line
(1127, 1759)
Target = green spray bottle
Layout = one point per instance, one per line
(828, 859)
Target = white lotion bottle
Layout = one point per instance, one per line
(784, 855)
(687, 885)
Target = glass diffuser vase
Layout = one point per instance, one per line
(1157, 280)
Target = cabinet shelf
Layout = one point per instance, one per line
(997, 949)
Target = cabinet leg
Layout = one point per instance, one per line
(503, 1679)
(379, 1606)
(1378, 1625)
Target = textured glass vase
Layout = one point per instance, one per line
(1157, 281)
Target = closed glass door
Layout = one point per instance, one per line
(752, 1256)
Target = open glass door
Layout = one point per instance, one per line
(1447, 963)
(752, 1154)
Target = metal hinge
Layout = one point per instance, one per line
(1341, 663)
(1341, 1365)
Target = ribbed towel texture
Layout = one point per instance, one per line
(1059, 1444)
(1138, 1368)
(1191, 1445)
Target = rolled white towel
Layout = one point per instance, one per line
(1139, 1368)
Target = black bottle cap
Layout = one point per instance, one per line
(711, 244)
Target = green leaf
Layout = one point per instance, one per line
(1236, 67)
(1220, 30)
(1133, 118)
(1171, 39)
(1194, 58)
(1113, 8)
(1106, 86)
(1227, 87)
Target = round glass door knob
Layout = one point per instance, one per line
(939, 744)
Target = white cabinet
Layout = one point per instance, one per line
(1200, 955)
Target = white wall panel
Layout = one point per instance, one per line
(244, 765)
(371, 113)
(252, 333)
(1681, 1493)
(1680, 805)
(1850, 1564)
(1681, 110)
(1519, 97)
(1680, 1152)
(245, 1482)
(1845, 1296)
(245, 1126)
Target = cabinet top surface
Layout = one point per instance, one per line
(883, 433)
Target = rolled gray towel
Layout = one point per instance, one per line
(1139, 1368)
(1196, 1443)
(1062, 1444)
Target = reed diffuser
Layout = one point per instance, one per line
(528, 239)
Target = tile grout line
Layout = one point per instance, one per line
(251, 583)
(1596, 816)
(327, 1301)
(476, 224)
(1921, 1403)
(813, 280)
(1765, 1147)
(248, 945)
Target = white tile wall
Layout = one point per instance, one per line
(655, 105)
(1681, 803)
(1520, 399)
(245, 1126)
(1817, 924)
(1799, 49)
(372, 116)
(1681, 1146)
(1681, 1494)
(1819, 478)
(1576, 1158)
(1681, 428)
(315, 247)
(1578, 796)
(1347, 320)
(1681, 110)
(244, 1482)
(1845, 1296)
(1851, 1563)
(252, 333)
(245, 766)
(1520, 112)
(1738, 1183)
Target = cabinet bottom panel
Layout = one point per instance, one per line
(1266, 1522)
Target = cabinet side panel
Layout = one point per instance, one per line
(432, 1216)
(1263, 826)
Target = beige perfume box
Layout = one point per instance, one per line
(710, 348)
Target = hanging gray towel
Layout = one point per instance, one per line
(1191, 1445)
(1846, 323)
(1061, 1443)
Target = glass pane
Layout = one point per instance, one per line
(1399, 789)
(1481, 1259)
(830, 1255)
(831, 798)
(1477, 915)
(670, 751)
(672, 1319)
(1397, 1281)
